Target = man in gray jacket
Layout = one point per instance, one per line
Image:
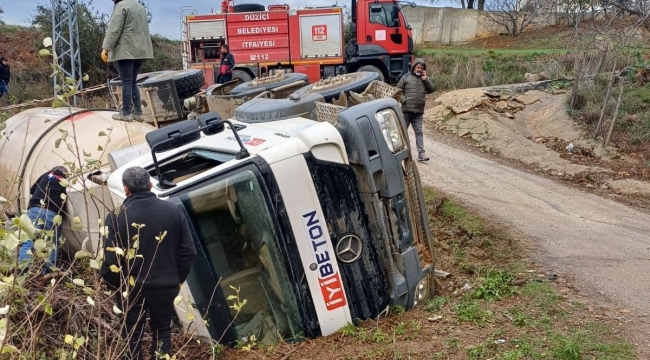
(415, 87)
(128, 42)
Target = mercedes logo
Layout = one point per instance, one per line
(349, 248)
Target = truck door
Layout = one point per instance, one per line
(385, 26)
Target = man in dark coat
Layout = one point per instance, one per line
(227, 65)
(45, 203)
(415, 87)
(149, 244)
(5, 76)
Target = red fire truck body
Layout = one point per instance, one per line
(308, 41)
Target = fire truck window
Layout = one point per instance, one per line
(233, 221)
(384, 15)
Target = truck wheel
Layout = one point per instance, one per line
(373, 68)
(268, 83)
(332, 87)
(188, 82)
(241, 75)
(248, 8)
(141, 77)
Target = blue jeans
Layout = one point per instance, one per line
(3, 88)
(129, 70)
(35, 214)
(224, 78)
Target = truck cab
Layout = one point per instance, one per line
(311, 224)
(383, 40)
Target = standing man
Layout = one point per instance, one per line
(128, 42)
(227, 65)
(164, 253)
(415, 87)
(5, 76)
(45, 203)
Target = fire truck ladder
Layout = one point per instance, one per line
(185, 49)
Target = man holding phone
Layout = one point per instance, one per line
(415, 87)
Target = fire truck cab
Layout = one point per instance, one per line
(309, 40)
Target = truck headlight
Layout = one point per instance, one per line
(389, 125)
(421, 291)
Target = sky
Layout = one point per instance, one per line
(166, 13)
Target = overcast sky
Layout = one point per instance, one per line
(166, 13)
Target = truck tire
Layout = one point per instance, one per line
(257, 84)
(373, 68)
(188, 82)
(331, 88)
(262, 110)
(248, 8)
(141, 77)
(242, 75)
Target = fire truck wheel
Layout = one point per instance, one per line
(248, 8)
(188, 82)
(241, 75)
(332, 87)
(372, 68)
(269, 83)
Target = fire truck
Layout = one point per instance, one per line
(310, 41)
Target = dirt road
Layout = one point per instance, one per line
(606, 245)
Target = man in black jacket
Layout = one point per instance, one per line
(5, 76)
(149, 243)
(45, 203)
(415, 87)
(227, 65)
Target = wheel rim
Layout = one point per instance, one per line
(336, 81)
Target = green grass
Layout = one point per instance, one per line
(462, 219)
(469, 51)
(471, 311)
(495, 285)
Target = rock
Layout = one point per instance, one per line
(435, 318)
(529, 77)
(508, 115)
(564, 291)
(630, 186)
(520, 282)
(624, 311)
(516, 105)
(463, 132)
(501, 105)
(466, 104)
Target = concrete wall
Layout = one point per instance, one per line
(446, 25)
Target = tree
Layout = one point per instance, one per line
(513, 15)
(1, 12)
(471, 4)
(638, 8)
(146, 7)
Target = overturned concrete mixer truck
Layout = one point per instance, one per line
(311, 212)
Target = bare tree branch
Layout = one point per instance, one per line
(513, 15)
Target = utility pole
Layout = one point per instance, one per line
(65, 34)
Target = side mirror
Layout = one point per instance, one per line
(173, 136)
(413, 5)
(211, 123)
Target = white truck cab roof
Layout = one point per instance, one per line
(272, 141)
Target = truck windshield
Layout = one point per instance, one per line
(384, 14)
(232, 220)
